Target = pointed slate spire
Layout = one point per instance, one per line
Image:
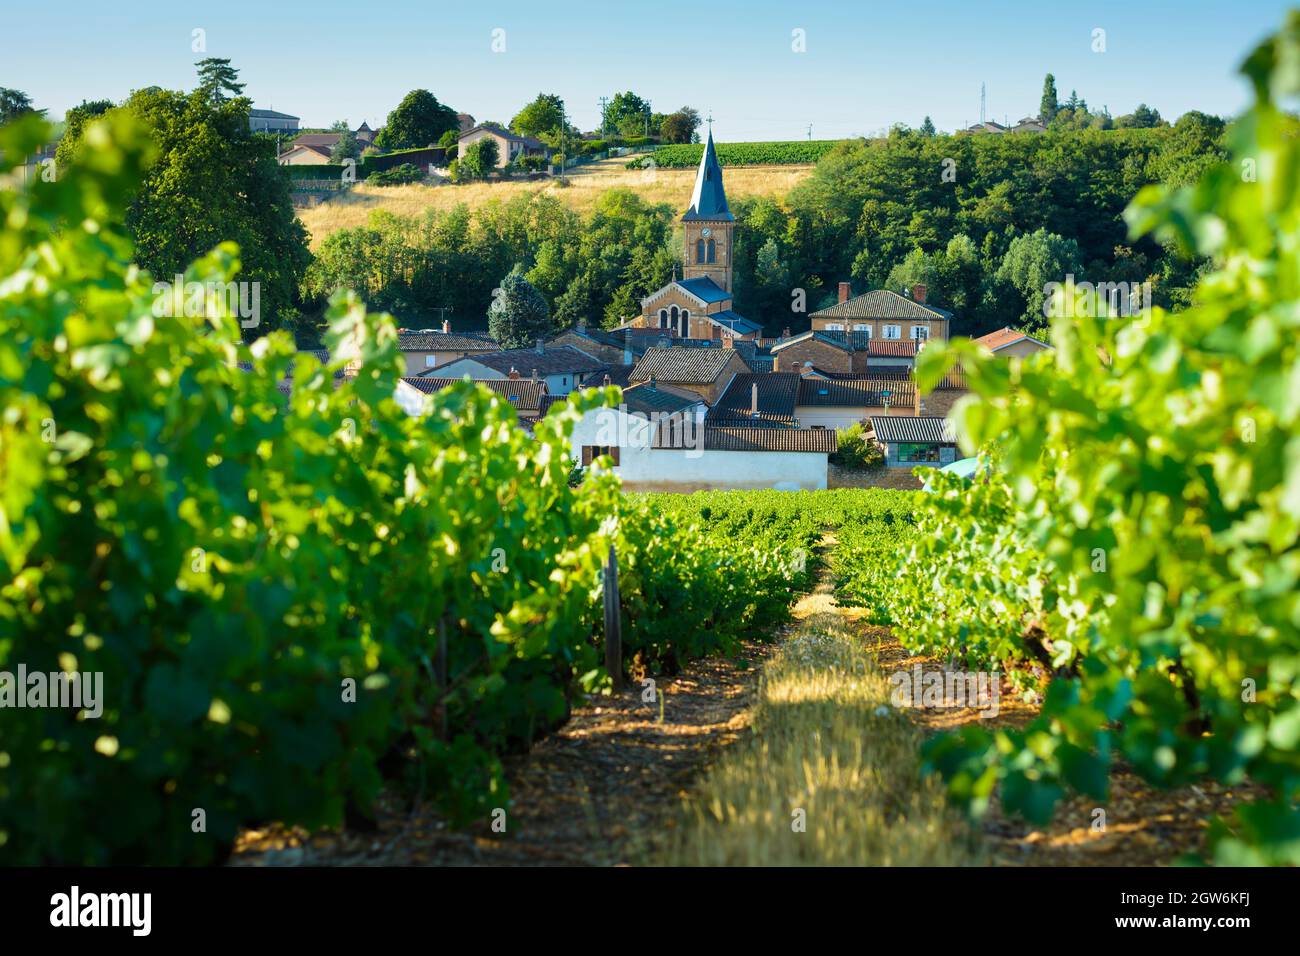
(709, 201)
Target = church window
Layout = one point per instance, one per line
(699, 250)
(663, 318)
(711, 251)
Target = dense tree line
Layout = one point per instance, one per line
(984, 221)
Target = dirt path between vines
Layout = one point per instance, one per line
(600, 791)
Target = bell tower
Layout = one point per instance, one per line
(708, 224)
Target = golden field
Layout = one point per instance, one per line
(672, 186)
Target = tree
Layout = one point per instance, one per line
(681, 126)
(626, 114)
(419, 120)
(1032, 261)
(217, 78)
(15, 104)
(74, 121)
(518, 315)
(927, 128)
(1047, 106)
(479, 158)
(1144, 117)
(213, 181)
(543, 115)
(347, 147)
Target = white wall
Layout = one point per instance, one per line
(644, 468)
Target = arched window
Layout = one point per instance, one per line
(663, 318)
(686, 323)
(673, 319)
(699, 250)
(711, 250)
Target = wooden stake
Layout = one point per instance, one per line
(613, 622)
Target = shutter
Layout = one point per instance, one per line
(586, 456)
(613, 452)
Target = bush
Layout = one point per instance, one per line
(854, 451)
(396, 176)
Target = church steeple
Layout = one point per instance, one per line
(708, 224)
(709, 200)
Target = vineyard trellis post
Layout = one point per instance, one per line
(613, 621)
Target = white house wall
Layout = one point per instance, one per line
(644, 468)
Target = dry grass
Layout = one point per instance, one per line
(825, 741)
(672, 186)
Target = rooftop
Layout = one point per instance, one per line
(907, 428)
(880, 304)
(694, 366)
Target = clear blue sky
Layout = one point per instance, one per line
(867, 64)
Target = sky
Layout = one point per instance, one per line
(863, 65)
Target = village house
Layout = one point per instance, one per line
(674, 450)
(563, 368)
(793, 400)
(705, 371)
(908, 441)
(882, 315)
(269, 121)
(428, 349)
(527, 396)
(855, 353)
(699, 304)
(1007, 343)
(510, 146)
(314, 149)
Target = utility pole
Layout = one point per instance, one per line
(810, 132)
(981, 102)
(647, 119)
(604, 109)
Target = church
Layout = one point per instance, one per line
(698, 305)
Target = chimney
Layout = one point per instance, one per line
(446, 326)
(534, 375)
(728, 342)
(846, 290)
(753, 400)
(807, 370)
(514, 372)
(785, 332)
(607, 381)
(540, 347)
(918, 294)
(652, 379)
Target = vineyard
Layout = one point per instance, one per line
(687, 156)
(303, 600)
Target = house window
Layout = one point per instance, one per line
(591, 452)
(711, 250)
(920, 332)
(430, 361)
(862, 327)
(663, 318)
(699, 250)
(893, 331)
(675, 318)
(834, 327)
(918, 453)
(686, 323)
